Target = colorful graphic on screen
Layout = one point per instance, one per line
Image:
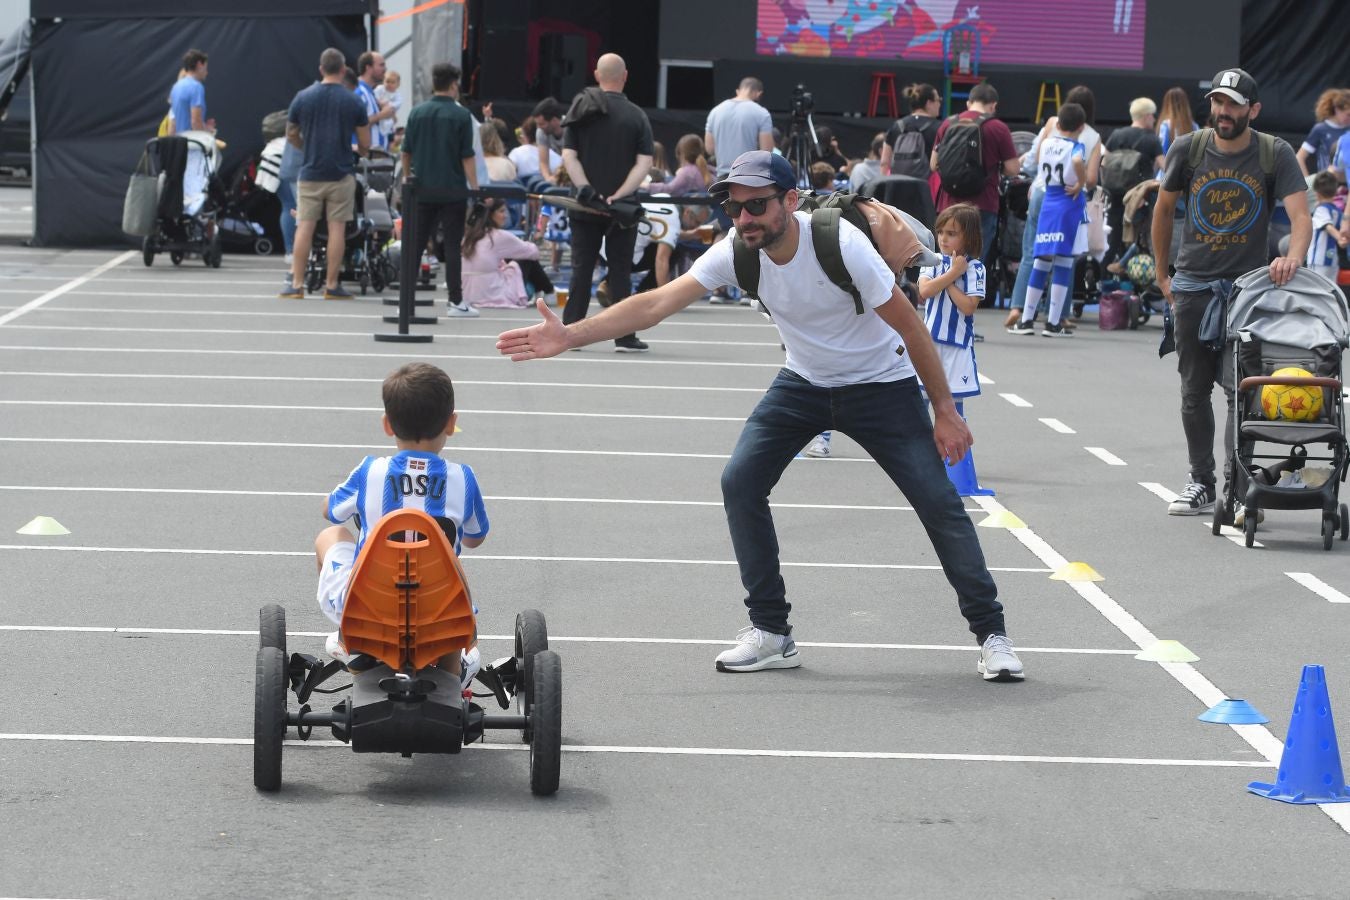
(1104, 34)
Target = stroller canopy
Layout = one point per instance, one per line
(1306, 311)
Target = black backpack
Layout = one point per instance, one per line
(960, 157)
(1124, 169)
(910, 156)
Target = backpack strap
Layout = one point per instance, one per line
(825, 240)
(1265, 151)
(746, 263)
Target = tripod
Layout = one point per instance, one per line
(801, 148)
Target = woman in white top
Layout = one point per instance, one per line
(494, 154)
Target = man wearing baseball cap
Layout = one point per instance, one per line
(844, 371)
(1231, 177)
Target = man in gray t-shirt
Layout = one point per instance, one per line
(1229, 199)
(738, 125)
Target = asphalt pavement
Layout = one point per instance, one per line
(184, 425)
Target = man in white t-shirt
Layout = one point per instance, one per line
(851, 373)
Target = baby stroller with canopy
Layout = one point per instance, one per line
(190, 198)
(365, 260)
(1301, 324)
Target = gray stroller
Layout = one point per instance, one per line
(1302, 324)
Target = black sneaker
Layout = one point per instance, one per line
(1021, 328)
(629, 344)
(1195, 498)
(1055, 331)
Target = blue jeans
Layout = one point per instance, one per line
(1019, 294)
(286, 194)
(988, 231)
(889, 421)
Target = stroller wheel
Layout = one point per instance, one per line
(365, 283)
(148, 250)
(1249, 528)
(1220, 514)
(262, 246)
(1345, 522)
(176, 257)
(1328, 530)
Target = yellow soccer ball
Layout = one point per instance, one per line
(1291, 403)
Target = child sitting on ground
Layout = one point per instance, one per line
(1323, 252)
(419, 413)
(953, 290)
(1063, 163)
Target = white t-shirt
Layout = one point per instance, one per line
(526, 159)
(827, 342)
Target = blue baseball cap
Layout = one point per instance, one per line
(757, 168)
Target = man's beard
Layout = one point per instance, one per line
(1230, 127)
(763, 236)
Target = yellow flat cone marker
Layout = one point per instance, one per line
(1002, 519)
(44, 525)
(1167, 651)
(1076, 571)
(458, 429)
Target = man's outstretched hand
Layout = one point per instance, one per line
(548, 338)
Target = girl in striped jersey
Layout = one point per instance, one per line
(953, 290)
(1324, 251)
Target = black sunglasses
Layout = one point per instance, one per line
(755, 207)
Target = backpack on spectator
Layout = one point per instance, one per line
(960, 157)
(910, 156)
(1124, 169)
(1265, 153)
(889, 229)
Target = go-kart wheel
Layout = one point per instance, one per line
(1328, 531)
(1345, 522)
(531, 639)
(1249, 527)
(546, 724)
(148, 250)
(269, 717)
(272, 627)
(176, 257)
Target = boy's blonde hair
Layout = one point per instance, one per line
(419, 400)
(398, 79)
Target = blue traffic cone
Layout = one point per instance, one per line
(1310, 767)
(962, 474)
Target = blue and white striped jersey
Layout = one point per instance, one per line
(1322, 252)
(941, 317)
(448, 492)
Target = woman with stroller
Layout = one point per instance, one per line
(497, 263)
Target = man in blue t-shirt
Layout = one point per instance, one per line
(321, 120)
(370, 71)
(187, 100)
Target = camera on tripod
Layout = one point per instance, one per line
(802, 102)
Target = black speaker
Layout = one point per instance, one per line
(502, 50)
(562, 66)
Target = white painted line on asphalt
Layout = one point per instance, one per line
(365, 410)
(567, 358)
(1057, 425)
(1258, 737)
(688, 751)
(1318, 587)
(495, 498)
(1016, 400)
(573, 639)
(364, 334)
(482, 557)
(182, 376)
(637, 454)
(68, 286)
(1105, 456)
(983, 378)
(1228, 531)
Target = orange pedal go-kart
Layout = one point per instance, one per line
(407, 606)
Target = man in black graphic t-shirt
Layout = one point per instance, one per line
(1229, 198)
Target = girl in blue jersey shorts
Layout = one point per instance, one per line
(953, 291)
(419, 413)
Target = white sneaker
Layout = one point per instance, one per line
(470, 661)
(819, 448)
(998, 662)
(756, 650)
(1240, 516)
(334, 647)
(461, 311)
(290, 258)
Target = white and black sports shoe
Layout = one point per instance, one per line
(998, 661)
(1195, 499)
(756, 650)
(1021, 328)
(1055, 331)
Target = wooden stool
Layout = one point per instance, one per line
(883, 83)
(1045, 97)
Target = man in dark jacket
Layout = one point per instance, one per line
(607, 150)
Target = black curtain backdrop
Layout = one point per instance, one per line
(1294, 52)
(102, 84)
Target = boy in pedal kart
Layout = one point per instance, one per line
(419, 413)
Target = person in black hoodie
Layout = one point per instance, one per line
(607, 151)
